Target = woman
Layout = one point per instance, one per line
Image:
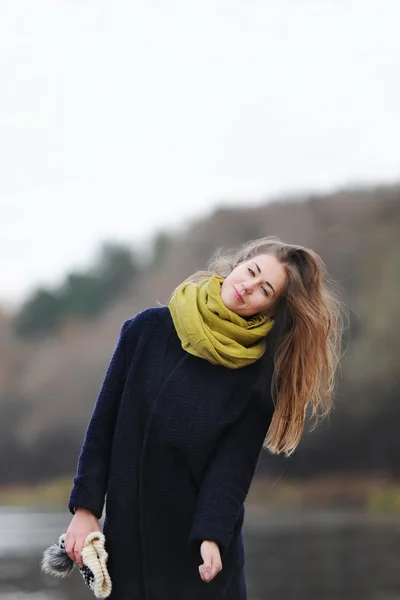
(193, 392)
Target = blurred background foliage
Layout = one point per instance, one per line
(84, 294)
(55, 349)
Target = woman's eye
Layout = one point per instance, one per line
(265, 292)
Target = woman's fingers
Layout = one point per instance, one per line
(212, 564)
(78, 550)
(70, 547)
(73, 548)
(82, 523)
(208, 570)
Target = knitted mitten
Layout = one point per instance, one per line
(56, 562)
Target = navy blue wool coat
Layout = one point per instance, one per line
(172, 445)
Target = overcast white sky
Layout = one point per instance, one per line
(119, 118)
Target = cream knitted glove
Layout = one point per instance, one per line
(56, 562)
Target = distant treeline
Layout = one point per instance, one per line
(85, 294)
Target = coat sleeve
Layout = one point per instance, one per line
(92, 471)
(228, 477)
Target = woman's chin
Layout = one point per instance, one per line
(228, 305)
(233, 307)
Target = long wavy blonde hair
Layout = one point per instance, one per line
(305, 343)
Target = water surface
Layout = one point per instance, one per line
(291, 555)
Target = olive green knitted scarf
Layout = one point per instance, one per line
(208, 329)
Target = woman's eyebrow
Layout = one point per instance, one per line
(267, 282)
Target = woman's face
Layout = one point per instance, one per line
(254, 286)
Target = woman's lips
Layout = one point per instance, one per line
(238, 296)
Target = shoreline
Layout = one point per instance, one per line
(370, 494)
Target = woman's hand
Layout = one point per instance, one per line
(212, 564)
(83, 522)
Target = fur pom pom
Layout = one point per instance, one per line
(56, 561)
